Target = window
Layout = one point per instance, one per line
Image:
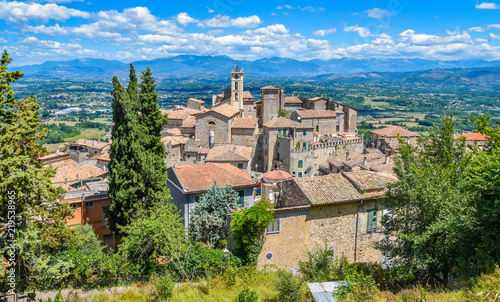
(240, 166)
(236, 87)
(284, 132)
(105, 215)
(278, 144)
(317, 128)
(277, 156)
(304, 132)
(89, 204)
(304, 146)
(300, 174)
(249, 108)
(279, 131)
(372, 220)
(74, 207)
(196, 199)
(211, 123)
(271, 95)
(109, 242)
(241, 201)
(301, 163)
(273, 227)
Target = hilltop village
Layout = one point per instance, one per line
(303, 154)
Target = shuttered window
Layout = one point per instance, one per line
(372, 220)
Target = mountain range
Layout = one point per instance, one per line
(185, 65)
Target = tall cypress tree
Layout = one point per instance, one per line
(126, 184)
(132, 89)
(155, 171)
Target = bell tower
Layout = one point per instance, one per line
(237, 88)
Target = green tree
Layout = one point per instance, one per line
(247, 295)
(127, 155)
(208, 219)
(132, 89)
(431, 211)
(26, 191)
(283, 113)
(248, 228)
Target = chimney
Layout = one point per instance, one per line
(321, 95)
(386, 159)
(347, 155)
(93, 142)
(292, 94)
(365, 161)
(57, 151)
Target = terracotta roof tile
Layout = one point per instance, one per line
(103, 157)
(229, 153)
(394, 131)
(277, 175)
(190, 122)
(175, 131)
(225, 110)
(174, 140)
(282, 122)
(247, 95)
(269, 87)
(195, 178)
(305, 114)
(196, 100)
(336, 188)
(471, 136)
(70, 172)
(249, 123)
(92, 143)
(292, 100)
(175, 114)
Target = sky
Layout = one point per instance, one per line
(54, 30)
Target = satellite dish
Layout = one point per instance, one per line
(298, 117)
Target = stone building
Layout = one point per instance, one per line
(195, 104)
(214, 126)
(244, 131)
(269, 183)
(387, 138)
(471, 139)
(272, 99)
(323, 122)
(341, 210)
(238, 156)
(84, 149)
(236, 97)
(188, 183)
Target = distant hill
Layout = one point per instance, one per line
(459, 76)
(189, 65)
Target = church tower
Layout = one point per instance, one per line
(237, 88)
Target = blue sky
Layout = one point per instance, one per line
(38, 31)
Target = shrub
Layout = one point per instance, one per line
(288, 287)
(199, 262)
(359, 287)
(247, 295)
(321, 266)
(163, 284)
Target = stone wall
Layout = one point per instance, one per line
(244, 137)
(333, 224)
(212, 121)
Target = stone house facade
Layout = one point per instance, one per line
(340, 210)
(387, 138)
(214, 126)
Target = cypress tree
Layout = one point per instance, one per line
(126, 157)
(132, 89)
(155, 170)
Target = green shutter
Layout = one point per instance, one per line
(305, 132)
(241, 201)
(301, 163)
(371, 220)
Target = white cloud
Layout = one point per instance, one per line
(494, 26)
(361, 31)
(60, 1)
(378, 13)
(480, 40)
(184, 19)
(410, 37)
(2, 40)
(20, 12)
(210, 11)
(324, 32)
(476, 29)
(494, 37)
(49, 44)
(220, 21)
(487, 5)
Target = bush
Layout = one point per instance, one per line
(288, 287)
(320, 265)
(359, 287)
(163, 284)
(247, 295)
(200, 262)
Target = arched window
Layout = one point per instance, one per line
(211, 123)
(236, 96)
(301, 163)
(236, 85)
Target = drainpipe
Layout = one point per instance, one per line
(356, 234)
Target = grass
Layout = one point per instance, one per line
(86, 133)
(68, 123)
